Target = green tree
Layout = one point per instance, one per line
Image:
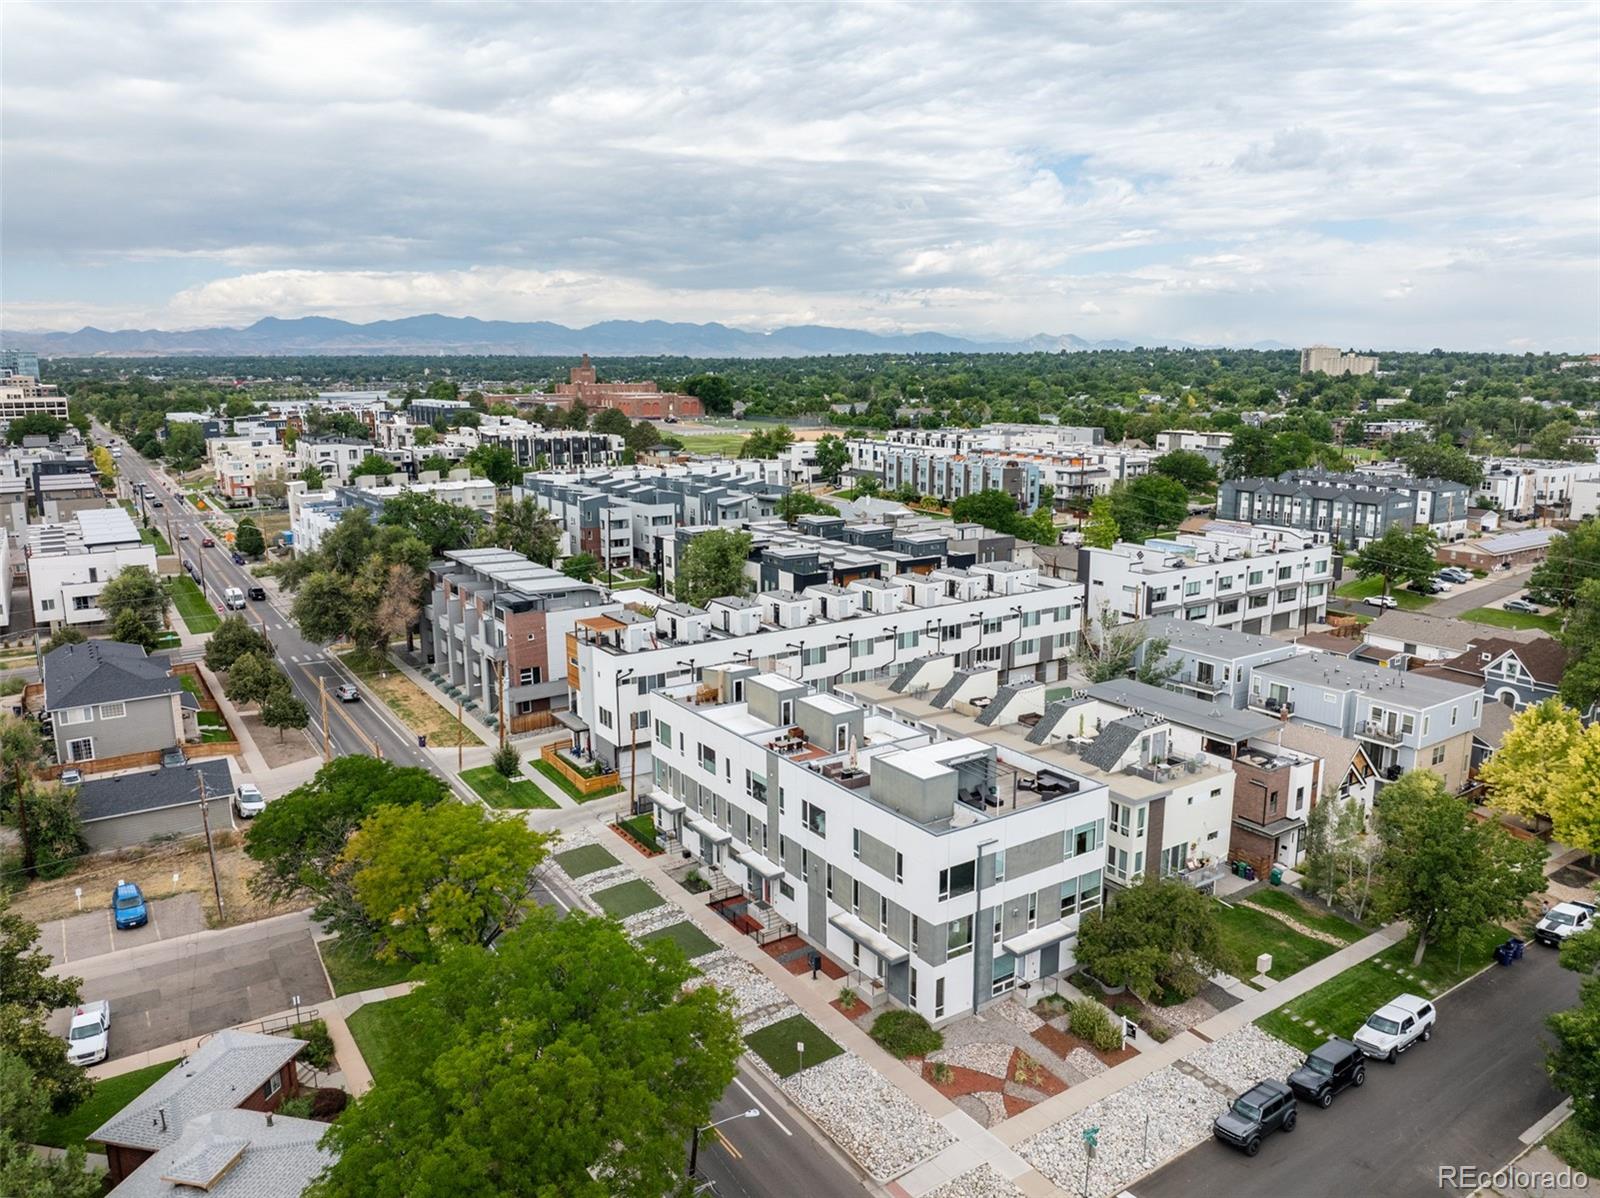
(281, 710)
(23, 1172)
(299, 840)
(20, 751)
(1574, 812)
(612, 421)
(1110, 650)
(34, 424)
(833, 455)
(580, 1057)
(324, 607)
(65, 635)
(767, 443)
(55, 830)
(439, 525)
(1444, 871)
(1580, 681)
(28, 996)
(233, 638)
(131, 630)
(135, 589)
(1155, 937)
(313, 478)
(642, 437)
(1436, 459)
(248, 539)
(495, 463)
(714, 391)
(1186, 467)
(251, 678)
(524, 527)
(186, 446)
(1574, 1060)
(713, 566)
(437, 463)
(798, 503)
(374, 464)
(992, 509)
(1574, 559)
(1529, 769)
(582, 566)
(1399, 555)
(441, 875)
(1554, 441)
(1100, 531)
(1146, 506)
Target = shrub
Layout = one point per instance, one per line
(318, 1052)
(507, 762)
(327, 1103)
(298, 1107)
(1090, 1021)
(848, 998)
(942, 1073)
(906, 1034)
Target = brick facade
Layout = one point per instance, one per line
(636, 401)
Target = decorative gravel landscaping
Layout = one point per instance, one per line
(1179, 1109)
(756, 1000)
(686, 936)
(775, 1044)
(495, 789)
(982, 1182)
(870, 1119)
(627, 899)
(1242, 1058)
(585, 859)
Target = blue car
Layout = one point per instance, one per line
(128, 907)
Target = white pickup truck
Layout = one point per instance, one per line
(1563, 921)
(89, 1037)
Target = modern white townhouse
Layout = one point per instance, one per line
(1213, 664)
(1208, 445)
(336, 457)
(1208, 579)
(240, 463)
(1522, 488)
(944, 872)
(1001, 615)
(69, 564)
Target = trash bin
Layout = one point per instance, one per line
(1276, 876)
(422, 742)
(1249, 874)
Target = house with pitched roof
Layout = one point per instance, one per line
(234, 1154)
(106, 699)
(1516, 670)
(124, 810)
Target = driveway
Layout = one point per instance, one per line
(1463, 1098)
(187, 986)
(1489, 592)
(92, 933)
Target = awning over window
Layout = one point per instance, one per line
(571, 721)
(666, 802)
(767, 869)
(1027, 942)
(858, 930)
(709, 830)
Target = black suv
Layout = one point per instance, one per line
(1264, 1108)
(1331, 1068)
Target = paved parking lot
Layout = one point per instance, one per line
(92, 933)
(190, 986)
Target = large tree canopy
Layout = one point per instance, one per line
(569, 1063)
(713, 566)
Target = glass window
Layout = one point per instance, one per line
(958, 941)
(957, 880)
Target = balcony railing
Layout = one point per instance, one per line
(1389, 736)
(1205, 876)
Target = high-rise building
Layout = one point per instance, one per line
(19, 361)
(1325, 359)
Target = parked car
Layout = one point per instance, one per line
(1261, 1110)
(183, 536)
(1561, 922)
(233, 599)
(248, 801)
(157, 503)
(89, 1034)
(1331, 1068)
(1455, 574)
(1396, 1026)
(207, 542)
(1437, 587)
(258, 592)
(1381, 601)
(128, 907)
(1521, 605)
(238, 558)
(347, 693)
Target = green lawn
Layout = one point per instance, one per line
(109, 1097)
(1341, 1004)
(1365, 588)
(629, 898)
(352, 970)
(686, 936)
(499, 791)
(567, 788)
(775, 1043)
(1250, 933)
(643, 829)
(192, 605)
(727, 444)
(1576, 1147)
(1499, 618)
(376, 1027)
(585, 859)
(1312, 917)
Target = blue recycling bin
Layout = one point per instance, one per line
(1510, 951)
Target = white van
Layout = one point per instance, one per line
(233, 597)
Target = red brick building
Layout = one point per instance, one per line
(637, 401)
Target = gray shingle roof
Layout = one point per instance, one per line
(104, 672)
(1214, 719)
(1114, 740)
(107, 798)
(234, 1154)
(224, 1072)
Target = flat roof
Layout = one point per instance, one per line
(1223, 722)
(1326, 669)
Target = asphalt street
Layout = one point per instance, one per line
(185, 986)
(1463, 1098)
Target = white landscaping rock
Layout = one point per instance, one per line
(1015, 1012)
(983, 1056)
(865, 1115)
(982, 1182)
(1243, 1057)
(1179, 1110)
(1085, 1062)
(752, 992)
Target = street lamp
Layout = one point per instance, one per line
(694, 1143)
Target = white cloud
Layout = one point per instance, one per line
(976, 169)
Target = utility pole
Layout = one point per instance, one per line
(211, 850)
(633, 764)
(327, 744)
(461, 739)
(499, 670)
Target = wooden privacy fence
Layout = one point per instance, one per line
(583, 783)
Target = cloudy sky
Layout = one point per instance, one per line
(1378, 176)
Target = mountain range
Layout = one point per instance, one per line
(435, 334)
